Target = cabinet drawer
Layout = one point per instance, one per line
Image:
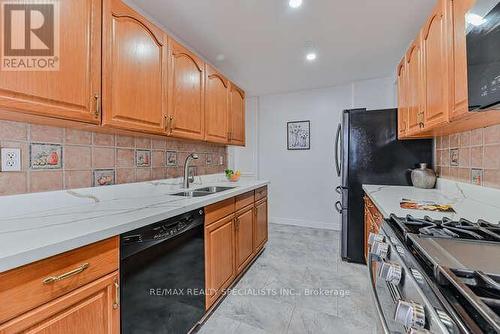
(219, 210)
(38, 283)
(244, 200)
(260, 193)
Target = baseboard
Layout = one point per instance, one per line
(305, 223)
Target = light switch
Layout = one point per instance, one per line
(11, 159)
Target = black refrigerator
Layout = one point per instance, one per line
(368, 152)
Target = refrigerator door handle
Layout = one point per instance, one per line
(338, 207)
(337, 149)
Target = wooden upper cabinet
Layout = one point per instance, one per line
(435, 46)
(73, 91)
(415, 87)
(460, 105)
(135, 68)
(186, 111)
(402, 99)
(237, 115)
(216, 106)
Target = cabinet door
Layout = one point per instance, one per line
(93, 308)
(402, 99)
(415, 88)
(260, 223)
(135, 66)
(237, 115)
(216, 106)
(244, 238)
(460, 104)
(186, 82)
(220, 268)
(435, 65)
(73, 91)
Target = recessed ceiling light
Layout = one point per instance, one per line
(295, 3)
(220, 57)
(474, 19)
(311, 56)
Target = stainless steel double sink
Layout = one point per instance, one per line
(200, 192)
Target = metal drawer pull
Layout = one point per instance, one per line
(116, 304)
(52, 279)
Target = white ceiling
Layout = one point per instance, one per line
(265, 41)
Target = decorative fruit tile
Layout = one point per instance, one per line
(454, 157)
(104, 177)
(477, 176)
(45, 156)
(171, 159)
(143, 158)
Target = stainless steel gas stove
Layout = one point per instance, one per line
(436, 276)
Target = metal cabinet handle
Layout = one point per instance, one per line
(52, 279)
(168, 124)
(116, 304)
(97, 99)
(338, 207)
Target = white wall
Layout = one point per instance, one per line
(302, 190)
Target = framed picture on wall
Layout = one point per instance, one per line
(299, 135)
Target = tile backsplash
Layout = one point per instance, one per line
(54, 158)
(471, 156)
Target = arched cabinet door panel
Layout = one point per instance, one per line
(135, 68)
(435, 64)
(216, 106)
(402, 99)
(237, 115)
(415, 88)
(186, 111)
(70, 89)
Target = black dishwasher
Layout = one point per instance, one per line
(162, 275)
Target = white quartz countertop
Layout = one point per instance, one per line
(37, 226)
(469, 202)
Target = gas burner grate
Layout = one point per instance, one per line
(448, 228)
(477, 293)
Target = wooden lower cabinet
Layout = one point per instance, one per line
(261, 223)
(244, 224)
(220, 268)
(235, 232)
(94, 308)
(373, 220)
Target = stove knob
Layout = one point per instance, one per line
(391, 272)
(381, 249)
(417, 275)
(400, 250)
(375, 238)
(410, 314)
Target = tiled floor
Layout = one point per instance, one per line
(275, 294)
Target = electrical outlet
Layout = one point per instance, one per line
(221, 160)
(11, 159)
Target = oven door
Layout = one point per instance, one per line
(482, 23)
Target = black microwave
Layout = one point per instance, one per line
(483, 55)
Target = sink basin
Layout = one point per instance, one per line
(213, 190)
(191, 194)
(202, 191)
